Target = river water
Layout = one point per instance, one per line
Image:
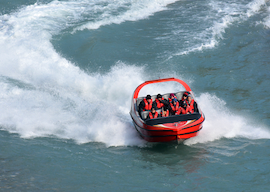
(68, 70)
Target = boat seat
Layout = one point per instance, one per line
(179, 95)
(166, 96)
(138, 102)
(159, 111)
(144, 114)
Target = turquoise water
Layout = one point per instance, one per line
(68, 70)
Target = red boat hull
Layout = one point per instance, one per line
(170, 133)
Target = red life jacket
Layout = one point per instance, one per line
(191, 105)
(176, 107)
(151, 115)
(167, 113)
(181, 110)
(148, 106)
(159, 104)
(170, 99)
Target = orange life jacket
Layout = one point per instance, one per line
(191, 105)
(159, 104)
(163, 115)
(148, 106)
(151, 115)
(176, 107)
(181, 110)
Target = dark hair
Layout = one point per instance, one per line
(186, 94)
(165, 108)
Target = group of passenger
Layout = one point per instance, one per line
(172, 106)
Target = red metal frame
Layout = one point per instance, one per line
(137, 90)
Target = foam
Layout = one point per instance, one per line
(225, 15)
(266, 20)
(132, 11)
(255, 7)
(45, 95)
(87, 108)
(223, 123)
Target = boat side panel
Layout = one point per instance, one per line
(163, 136)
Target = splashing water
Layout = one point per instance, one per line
(44, 94)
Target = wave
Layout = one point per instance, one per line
(221, 122)
(121, 11)
(266, 20)
(75, 106)
(223, 15)
(95, 108)
(45, 95)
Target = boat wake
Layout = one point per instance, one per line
(221, 122)
(98, 110)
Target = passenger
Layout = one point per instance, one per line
(160, 102)
(153, 114)
(146, 104)
(192, 104)
(184, 98)
(174, 106)
(164, 112)
(172, 96)
(184, 109)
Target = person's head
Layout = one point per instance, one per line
(148, 98)
(184, 96)
(153, 110)
(172, 95)
(159, 97)
(174, 101)
(189, 98)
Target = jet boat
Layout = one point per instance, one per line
(165, 129)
